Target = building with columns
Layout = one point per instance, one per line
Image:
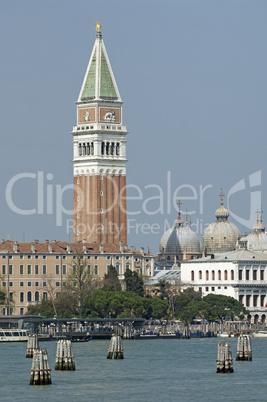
(241, 274)
(99, 160)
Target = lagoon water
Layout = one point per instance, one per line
(152, 370)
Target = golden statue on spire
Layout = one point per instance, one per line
(97, 26)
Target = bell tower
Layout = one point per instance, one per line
(99, 160)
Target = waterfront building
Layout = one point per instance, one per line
(99, 155)
(221, 235)
(29, 271)
(241, 274)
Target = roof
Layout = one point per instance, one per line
(62, 247)
(171, 276)
(235, 255)
(99, 82)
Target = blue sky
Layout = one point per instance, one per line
(193, 77)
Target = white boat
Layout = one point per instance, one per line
(14, 335)
(223, 335)
(260, 334)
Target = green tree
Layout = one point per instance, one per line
(223, 307)
(184, 298)
(195, 309)
(111, 281)
(45, 308)
(134, 283)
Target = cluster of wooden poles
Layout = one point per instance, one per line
(40, 371)
(224, 354)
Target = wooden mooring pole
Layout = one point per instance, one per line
(40, 371)
(115, 347)
(244, 350)
(64, 356)
(32, 345)
(224, 358)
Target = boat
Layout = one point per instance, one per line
(14, 335)
(260, 334)
(225, 335)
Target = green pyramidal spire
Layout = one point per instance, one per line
(99, 82)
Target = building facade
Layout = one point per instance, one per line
(99, 160)
(29, 271)
(241, 274)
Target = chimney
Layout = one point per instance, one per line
(33, 248)
(68, 249)
(50, 248)
(132, 249)
(84, 240)
(84, 249)
(3, 240)
(121, 247)
(142, 250)
(46, 241)
(54, 241)
(15, 247)
(101, 249)
(36, 241)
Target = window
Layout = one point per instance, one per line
(225, 275)
(247, 274)
(262, 300)
(21, 311)
(29, 257)
(118, 268)
(241, 297)
(57, 269)
(240, 274)
(21, 284)
(247, 300)
(232, 275)
(11, 257)
(207, 289)
(96, 269)
(127, 258)
(21, 257)
(199, 274)
(108, 257)
(44, 295)
(36, 257)
(44, 257)
(29, 284)
(3, 269)
(11, 284)
(44, 270)
(10, 269)
(29, 269)
(36, 269)
(21, 297)
(207, 275)
(96, 257)
(262, 275)
(74, 269)
(4, 284)
(192, 276)
(89, 269)
(255, 300)
(213, 275)
(3, 257)
(29, 296)
(11, 298)
(36, 284)
(64, 257)
(88, 257)
(117, 257)
(254, 275)
(101, 193)
(57, 284)
(74, 257)
(21, 269)
(219, 275)
(57, 257)
(44, 284)
(64, 269)
(213, 289)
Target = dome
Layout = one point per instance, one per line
(179, 240)
(222, 235)
(257, 240)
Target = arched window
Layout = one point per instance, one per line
(192, 276)
(112, 148)
(102, 148)
(107, 148)
(44, 295)
(80, 149)
(225, 275)
(232, 275)
(207, 275)
(29, 296)
(213, 275)
(118, 149)
(36, 296)
(219, 275)
(200, 275)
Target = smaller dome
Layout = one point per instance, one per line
(222, 213)
(257, 240)
(259, 227)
